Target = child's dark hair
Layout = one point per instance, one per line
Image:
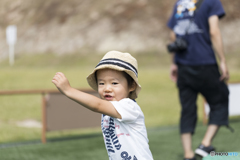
(129, 79)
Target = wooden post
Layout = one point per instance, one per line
(44, 124)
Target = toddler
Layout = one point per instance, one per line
(115, 78)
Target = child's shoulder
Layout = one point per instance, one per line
(129, 110)
(128, 101)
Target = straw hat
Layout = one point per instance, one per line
(117, 61)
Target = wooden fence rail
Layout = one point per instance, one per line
(59, 112)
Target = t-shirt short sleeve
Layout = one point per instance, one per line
(127, 109)
(216, 9)
(171, 22)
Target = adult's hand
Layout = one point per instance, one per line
(225, 74)
(173, 72)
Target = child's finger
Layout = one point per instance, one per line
(56, 77)
(60, 74)
(54, 81)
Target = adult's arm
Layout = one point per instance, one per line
(173, 67)
(217, 42)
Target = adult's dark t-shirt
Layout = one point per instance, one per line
(194, 27)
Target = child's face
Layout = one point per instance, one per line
(112, 85)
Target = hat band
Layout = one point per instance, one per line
(118, 62)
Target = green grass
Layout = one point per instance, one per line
(164, 144)
(158, 100)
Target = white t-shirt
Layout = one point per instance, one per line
(126, 138)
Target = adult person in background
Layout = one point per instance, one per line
(194, 67)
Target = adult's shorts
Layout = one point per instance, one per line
(193, 80)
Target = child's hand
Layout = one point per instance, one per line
(61, 82)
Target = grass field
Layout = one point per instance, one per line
(158, 100)
(164, 144)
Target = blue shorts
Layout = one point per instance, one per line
(205, 80)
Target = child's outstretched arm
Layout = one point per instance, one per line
(89, 101)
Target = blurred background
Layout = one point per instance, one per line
(73, 26)
(71, 37)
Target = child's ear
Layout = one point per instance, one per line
(133, 86)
